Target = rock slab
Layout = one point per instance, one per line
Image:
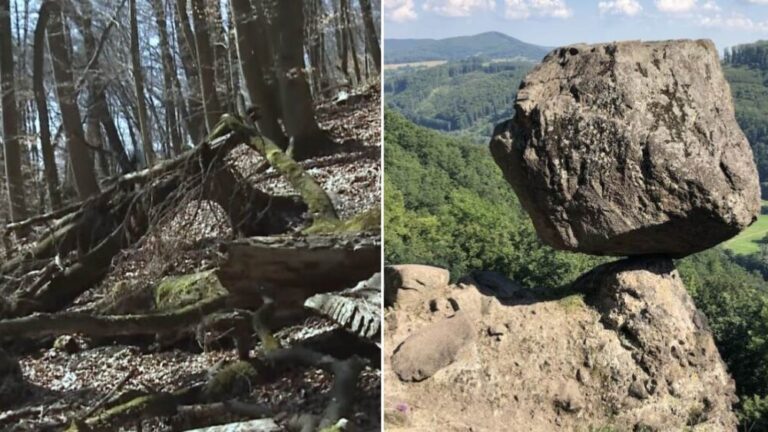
(629, 148)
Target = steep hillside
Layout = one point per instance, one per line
(490, 44)
(448, 205)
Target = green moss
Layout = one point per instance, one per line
(178, 291)
(572, 302)
(236, 379)
(369, 220)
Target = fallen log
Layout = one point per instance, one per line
(45, 324)
(292, 268)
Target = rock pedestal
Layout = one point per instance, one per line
(630, 148)
(625, 349)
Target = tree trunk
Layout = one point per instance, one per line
(98, 107)
(341, 40)
(220, 54)
(251, 66)
(370, 33)
(10, 118)
(205, 63)
(169, 79)
(295, 96)
(350, 39)
(266, 53)
(82, 164)
(138, 78)
(185, 39)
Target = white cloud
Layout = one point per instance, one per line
(759, 2)
(712, 6)
(521, 9)
(675, 6)
(399, 10)
(734, 22)
(458, 8)
(620, 7)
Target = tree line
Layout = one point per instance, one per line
(96, 88)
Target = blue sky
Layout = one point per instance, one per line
(561, 22)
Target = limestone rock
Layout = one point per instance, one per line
(629, 148)
(432, 348)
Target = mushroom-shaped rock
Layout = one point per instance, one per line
(629, 148)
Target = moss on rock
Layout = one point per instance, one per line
(178, 291)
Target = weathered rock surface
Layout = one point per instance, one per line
(624, 349)
(629, 148)
(432, 348)
(412, 277)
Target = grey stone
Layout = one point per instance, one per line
(630, 148)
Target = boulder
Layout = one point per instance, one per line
(432, 348)
(412, 277)
(629, 148)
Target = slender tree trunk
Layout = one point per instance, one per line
(372, 39)
(341, 40)
(169, 71)
(221, 56)
(205, 63)
(251, 66)
(12, 150)
(295, 96)
(97, 90)
(82, 164)
(348, 31)
(49, 158)
(138, 78)
(315, 41)
(185, 38)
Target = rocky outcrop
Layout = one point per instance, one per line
(406, 279)
(624, 348)
(629, 148)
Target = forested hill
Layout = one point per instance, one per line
(490, 44)
(441, 192)
(470, 95)
(746, 68)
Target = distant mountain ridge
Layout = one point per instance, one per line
(489, 44)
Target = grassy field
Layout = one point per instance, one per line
(424, 64)
(747, 242)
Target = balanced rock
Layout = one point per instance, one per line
(629, 148)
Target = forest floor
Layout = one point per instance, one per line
(67, 385)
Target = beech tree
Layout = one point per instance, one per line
(142, 80)
(13, 173)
